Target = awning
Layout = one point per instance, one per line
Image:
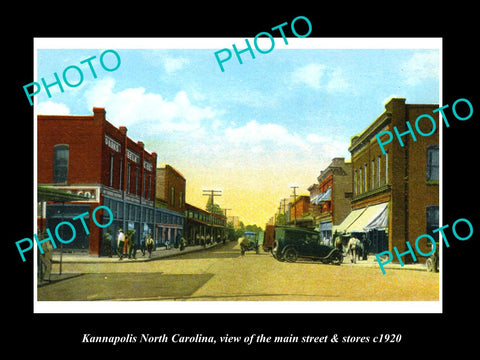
(380, 221)
(348, 221)
(45, 193)
(322, 197)
(364, 219)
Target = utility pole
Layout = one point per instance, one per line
(212, 194)
(294, 205)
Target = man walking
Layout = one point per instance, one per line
(120, 243)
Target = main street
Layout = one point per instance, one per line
(221, 273)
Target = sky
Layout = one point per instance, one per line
(257, 128)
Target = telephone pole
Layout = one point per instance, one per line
(294, 205)
(212, 194)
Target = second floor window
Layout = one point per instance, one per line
(60, 163)
(432, 163)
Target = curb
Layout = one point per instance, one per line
(161, 254)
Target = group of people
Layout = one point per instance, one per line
(208, 239)
(127, 247)
(356, 248)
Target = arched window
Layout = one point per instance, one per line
(60, 163)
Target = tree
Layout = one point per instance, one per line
(213, 208)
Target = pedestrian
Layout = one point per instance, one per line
(107, 243)
(352, 248)
(149, 244)
(243, 242)
(366, 247)
(132, 246)
(46, 259)
(120, 243)
(143, 245)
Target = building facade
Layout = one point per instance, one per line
(170, 188)
(330, 198)
(170, 198)
(396, 194)
(202, 225)
(88, 156)
(298, 212)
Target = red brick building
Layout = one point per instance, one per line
(87, 155)
(396, 194)
(299, 211)
(330, 197)
(170, 188)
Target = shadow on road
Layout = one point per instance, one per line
(123, 286)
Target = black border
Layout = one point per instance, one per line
(420, 332)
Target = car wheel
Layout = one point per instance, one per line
(290, 255)
(337, 258)
(429, 264)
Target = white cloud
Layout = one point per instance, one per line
(136, 105)
(255, 133)
(52, 108)
(420, 67)
(174, 64)
(319, 76)
(309, 74)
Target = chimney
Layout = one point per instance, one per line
(99, 114)
(123, 130)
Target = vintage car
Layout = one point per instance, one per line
(248, 242)
(292, 243)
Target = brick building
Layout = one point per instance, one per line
(88, 156)
(299, 211)
(170, 188)
(330, 197)
(170, 195)
(396, 194)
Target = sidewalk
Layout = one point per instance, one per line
(372, 262)
(159, 253)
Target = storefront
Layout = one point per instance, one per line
(370, 223)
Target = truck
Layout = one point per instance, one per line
(269, 237)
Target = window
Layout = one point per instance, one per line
(120, 177)
(432, 163)
(359, 179)
(111, 170)
(365, 188)
(172, 196)
(372, 175)
(136, 180)
(60, 163)
(379, 161)
(386, 167)
(129, 169)
(180, 200)
(432, 221)
(355, 182)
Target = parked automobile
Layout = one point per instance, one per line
(292, 243)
